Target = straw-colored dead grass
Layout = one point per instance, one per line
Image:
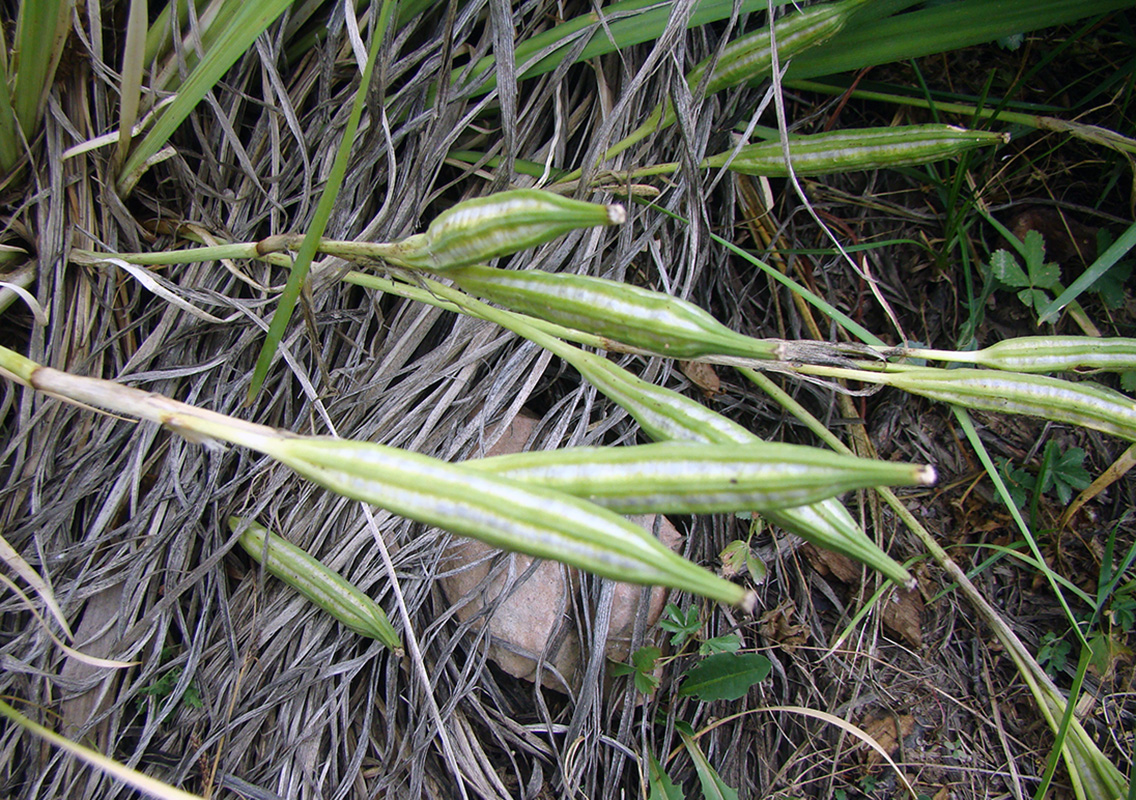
(129, 521)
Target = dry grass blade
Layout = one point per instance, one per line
(127, 522)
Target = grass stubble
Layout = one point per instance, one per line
(131, 520)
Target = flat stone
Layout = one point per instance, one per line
(534, 620)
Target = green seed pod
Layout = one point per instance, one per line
(637, 317)
(1085, 404)
(829, 525)
(1058, 353)
(658, 410)
(665, 415)
(750, 57)
(477, 230)
(311, 578)
(858, 149)
(500, 512)
(689, 478)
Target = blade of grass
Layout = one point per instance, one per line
(41, 29)
(628, 23)
(141, 782)
(323, 210)
(130, 95)
(939, 28)
(1104, 262)
(249, 21)
(992, 471)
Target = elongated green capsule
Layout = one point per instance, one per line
(828, 524)
(477, 230)
(1085, 404)
(665, 415)
(1057, 354)
(689, 478)
(856, 149)
(500, 512)
(655, 408)
(631, 315)
(750, 57)
(315, 581)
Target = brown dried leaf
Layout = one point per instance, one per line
(884, 731)
(777, 626)
(903, 614)
(703, 376)
(826, 562)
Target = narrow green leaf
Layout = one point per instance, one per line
(1103, 263)
(938, 28)
(41, 29)
(323, 210)
(726, 676)
(661, 785)
(247, 24)
(713, 787)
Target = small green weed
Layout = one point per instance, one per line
(160, 692)
(721, 673)
(1035, 280)
(1061, 472)
(1053, 654)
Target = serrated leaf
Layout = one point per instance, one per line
(1006, 270)
(1067, 473)
(682, 624)
(1033, 298)
(619, 669)
(713, 787)
(733, 557)
(758, 572)
(726, 676)
(1045, 275)
(730, 643)
(662, 788)
(644, 658)
(1034, 244)
(646, 682)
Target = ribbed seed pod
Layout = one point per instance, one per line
(631, 315)
(500, 512)
(689, 478)
(750, 57)
(1085, 404)
(856, 149)
(477, 230)
(665, 415)
(315, 581)
(1058, 353)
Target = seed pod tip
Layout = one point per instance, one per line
(616, 214)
